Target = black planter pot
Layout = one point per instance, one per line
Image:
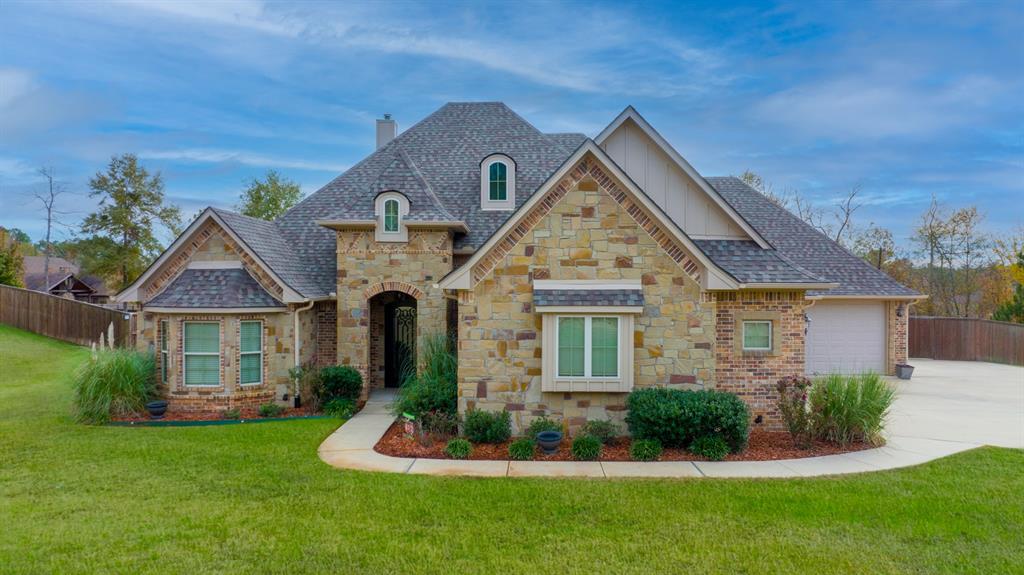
(549, 441)
(157, 409)
(904, 371)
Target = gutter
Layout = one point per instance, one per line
(298, 343)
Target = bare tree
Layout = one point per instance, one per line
(48, 198)
(843, 214)
(837, 225)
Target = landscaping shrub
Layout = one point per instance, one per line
(458, 448)
(116, 382)
(711, 446)
(521, 449)
(338, 407)
(586, 448)
(310, 386)
(676, 418)
(540, 424)
(233, 414)
(845, 409)
(792, 404)
(645, 450)
(439, 425)
(435, 387)
(340, 382)
(487, 426)
(604, 430)
(270, 410)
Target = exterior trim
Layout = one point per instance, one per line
(401, 235)
(214, 310)
(214, 265)
(549, 374)
(587, 284)
(878, 297)
(509, 203)
(590, 309)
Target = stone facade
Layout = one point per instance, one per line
(752, 375)
(585, 233)
(368, 268)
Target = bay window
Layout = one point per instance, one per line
(201, 357)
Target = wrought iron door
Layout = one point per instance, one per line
(400, 339)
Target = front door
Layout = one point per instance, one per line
(399, 343)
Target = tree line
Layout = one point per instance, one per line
(119, 240)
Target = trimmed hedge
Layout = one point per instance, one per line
(481, 426)
(677, 418)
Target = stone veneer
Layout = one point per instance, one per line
(588, 230)
(367, 268)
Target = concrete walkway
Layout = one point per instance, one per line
(948, 407)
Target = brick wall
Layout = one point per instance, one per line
(897, 334)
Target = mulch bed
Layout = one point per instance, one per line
(246, 413)
(763, 446)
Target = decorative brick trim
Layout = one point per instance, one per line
(403, 287)
(584, 169)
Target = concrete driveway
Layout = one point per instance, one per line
(961, 401)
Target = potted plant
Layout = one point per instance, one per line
(549, 441)
(157, 409)
(904, 371)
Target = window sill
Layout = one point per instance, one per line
(587, 385)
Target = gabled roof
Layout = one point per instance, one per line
(225, 288)
(808, 248)
(749, 264)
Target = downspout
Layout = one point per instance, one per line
(297, 345)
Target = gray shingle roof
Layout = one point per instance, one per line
(214, 288)
(805, 246)
(749, 263)
(582, 297)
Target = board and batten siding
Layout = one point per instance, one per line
(668, 185)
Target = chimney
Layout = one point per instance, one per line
(386, 130)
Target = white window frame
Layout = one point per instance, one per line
(379, 207)
(486, 203)
(743, 335)
(552, 381)
(244, 353)
(185, 354)
(165, 351)
(398, 216)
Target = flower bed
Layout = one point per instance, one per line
(763, 446)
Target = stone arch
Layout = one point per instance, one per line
(403, 287)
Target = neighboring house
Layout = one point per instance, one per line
(65, 280)
(571, 270)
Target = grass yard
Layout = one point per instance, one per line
(255, 498)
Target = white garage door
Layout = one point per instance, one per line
(846, 337)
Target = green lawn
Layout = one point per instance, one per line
(255, 498)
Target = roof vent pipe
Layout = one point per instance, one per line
(386, 130)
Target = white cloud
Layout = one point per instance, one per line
(217, 156)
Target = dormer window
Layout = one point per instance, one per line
(497, 183)
(391, 209)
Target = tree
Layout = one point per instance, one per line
(958, 253)
(19, 236)
(11, 260)
(48, 198)
(837, 224)
(1013, 310)
(131, 204)
(271, 198)
(875, 245)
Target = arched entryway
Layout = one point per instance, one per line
(393, 332)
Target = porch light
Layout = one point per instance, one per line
(899, 309)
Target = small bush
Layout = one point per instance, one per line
(435, 387)
(117, 382)
(604, 430)
(233, 414)
(540, 424)
(338, 407)
(645, 450)
(340, 382)
(521, 449)
(712, 447)
(310, 386)
(439, 425)
(487, 426)
(845, 409)
(270, 410)
(792, 403)
(676, 418)
(458, 448)
(586, 448)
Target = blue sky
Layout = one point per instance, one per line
(907, 99)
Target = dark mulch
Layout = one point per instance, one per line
(246, 413)
(763, 446)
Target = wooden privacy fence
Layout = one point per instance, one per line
(56, 317)
(967, 339)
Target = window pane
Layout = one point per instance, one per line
(570, 347)
(163, 335)
(757, 334)
(251, 367)
(202, 338)
(390, 215)
(604, 342)
(498, 191)
(252, 333)
(202, 369)
(498, 182)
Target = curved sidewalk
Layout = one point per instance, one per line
(914, 438)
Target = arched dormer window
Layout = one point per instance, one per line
(390, 209)
(497, 183)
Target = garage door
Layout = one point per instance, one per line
(846, 337)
